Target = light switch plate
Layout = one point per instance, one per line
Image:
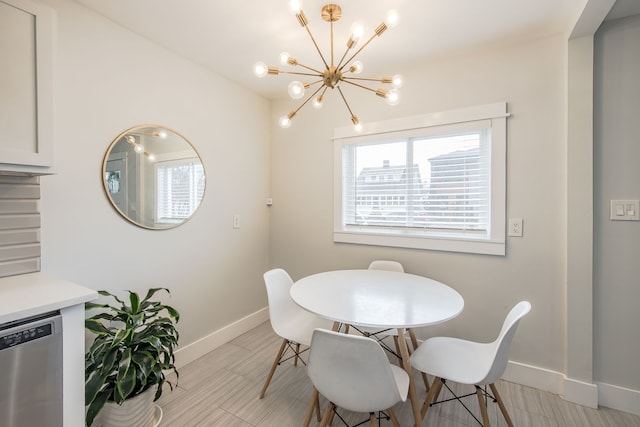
(625, 210)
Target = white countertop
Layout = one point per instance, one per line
(26, 295)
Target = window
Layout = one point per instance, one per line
(428, 182)
(180, 186)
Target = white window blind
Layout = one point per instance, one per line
(431, 182)
(438, 182)
(180, 187)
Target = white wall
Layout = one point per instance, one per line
(108, 79)
(531, 78)
(616, 176)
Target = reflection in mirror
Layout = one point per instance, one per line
(153, 177)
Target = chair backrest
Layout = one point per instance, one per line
(281, 306)
(502, 344)
(353, 372)
(386, 265)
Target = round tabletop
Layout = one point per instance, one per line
(377, 298)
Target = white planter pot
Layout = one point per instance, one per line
(139, 411)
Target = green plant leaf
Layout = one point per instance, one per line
(126, 378)
(95, 406)
(135, 302)
(95, 327)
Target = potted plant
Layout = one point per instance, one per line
(133, 348)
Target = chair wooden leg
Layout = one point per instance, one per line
(503, 409)
(373, 419)
(434, 391)
(313, 404)
(273, 368)
(414, 344)
(394, 419)
(327, 415)
(483, 407)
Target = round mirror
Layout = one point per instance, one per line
(153, 177)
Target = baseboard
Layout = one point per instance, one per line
(619, 398)
(204, 345)
(582, 393)
(535, 377)
(573, 391)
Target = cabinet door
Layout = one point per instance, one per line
(26, 116)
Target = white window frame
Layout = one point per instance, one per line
(491, 243)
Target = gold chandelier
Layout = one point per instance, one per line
(345, 71)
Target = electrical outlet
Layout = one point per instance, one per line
(236, 221)
(515, 227)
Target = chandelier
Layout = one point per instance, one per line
(333, 74)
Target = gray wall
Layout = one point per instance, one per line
(616, 176)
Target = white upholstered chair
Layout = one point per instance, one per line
(354, 373)
(292, 323)
(468, 362)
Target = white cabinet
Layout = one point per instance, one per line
(26, 87)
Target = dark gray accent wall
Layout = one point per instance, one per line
(19, 225)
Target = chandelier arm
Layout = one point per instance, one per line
(307, 100)
(339, 66)
(316, 45)
(359, 85)
(364, 78)
(310, 69)
(358, 51)
(345, 101)
(300, 74)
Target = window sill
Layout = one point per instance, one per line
(441, 242)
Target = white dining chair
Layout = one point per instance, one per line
(469, 362)
(292, 323)
(354, 373)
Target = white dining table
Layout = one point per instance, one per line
(380, 299)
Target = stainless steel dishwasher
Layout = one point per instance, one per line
(31, 372)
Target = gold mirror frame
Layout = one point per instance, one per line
(153, 176)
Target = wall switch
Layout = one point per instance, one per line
(515, 227)
(236, 221)
(269, 201)
(625, 210)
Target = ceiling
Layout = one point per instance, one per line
(229, 37)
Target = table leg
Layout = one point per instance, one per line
(406, 364)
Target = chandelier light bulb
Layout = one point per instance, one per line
(296, 90)
(260, 69)
(138, 148)
(356, 67)
(162, 134)
(295, 6)
(317, 102)
(284, 122)
(357, 31)
(392, 18)
(397, 81)
(393, 97)
(284, 58)
(358, 127)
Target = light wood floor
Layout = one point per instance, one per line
(222, 388)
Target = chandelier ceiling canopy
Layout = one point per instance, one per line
(332, 74)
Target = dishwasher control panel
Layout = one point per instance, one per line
(25, 335)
